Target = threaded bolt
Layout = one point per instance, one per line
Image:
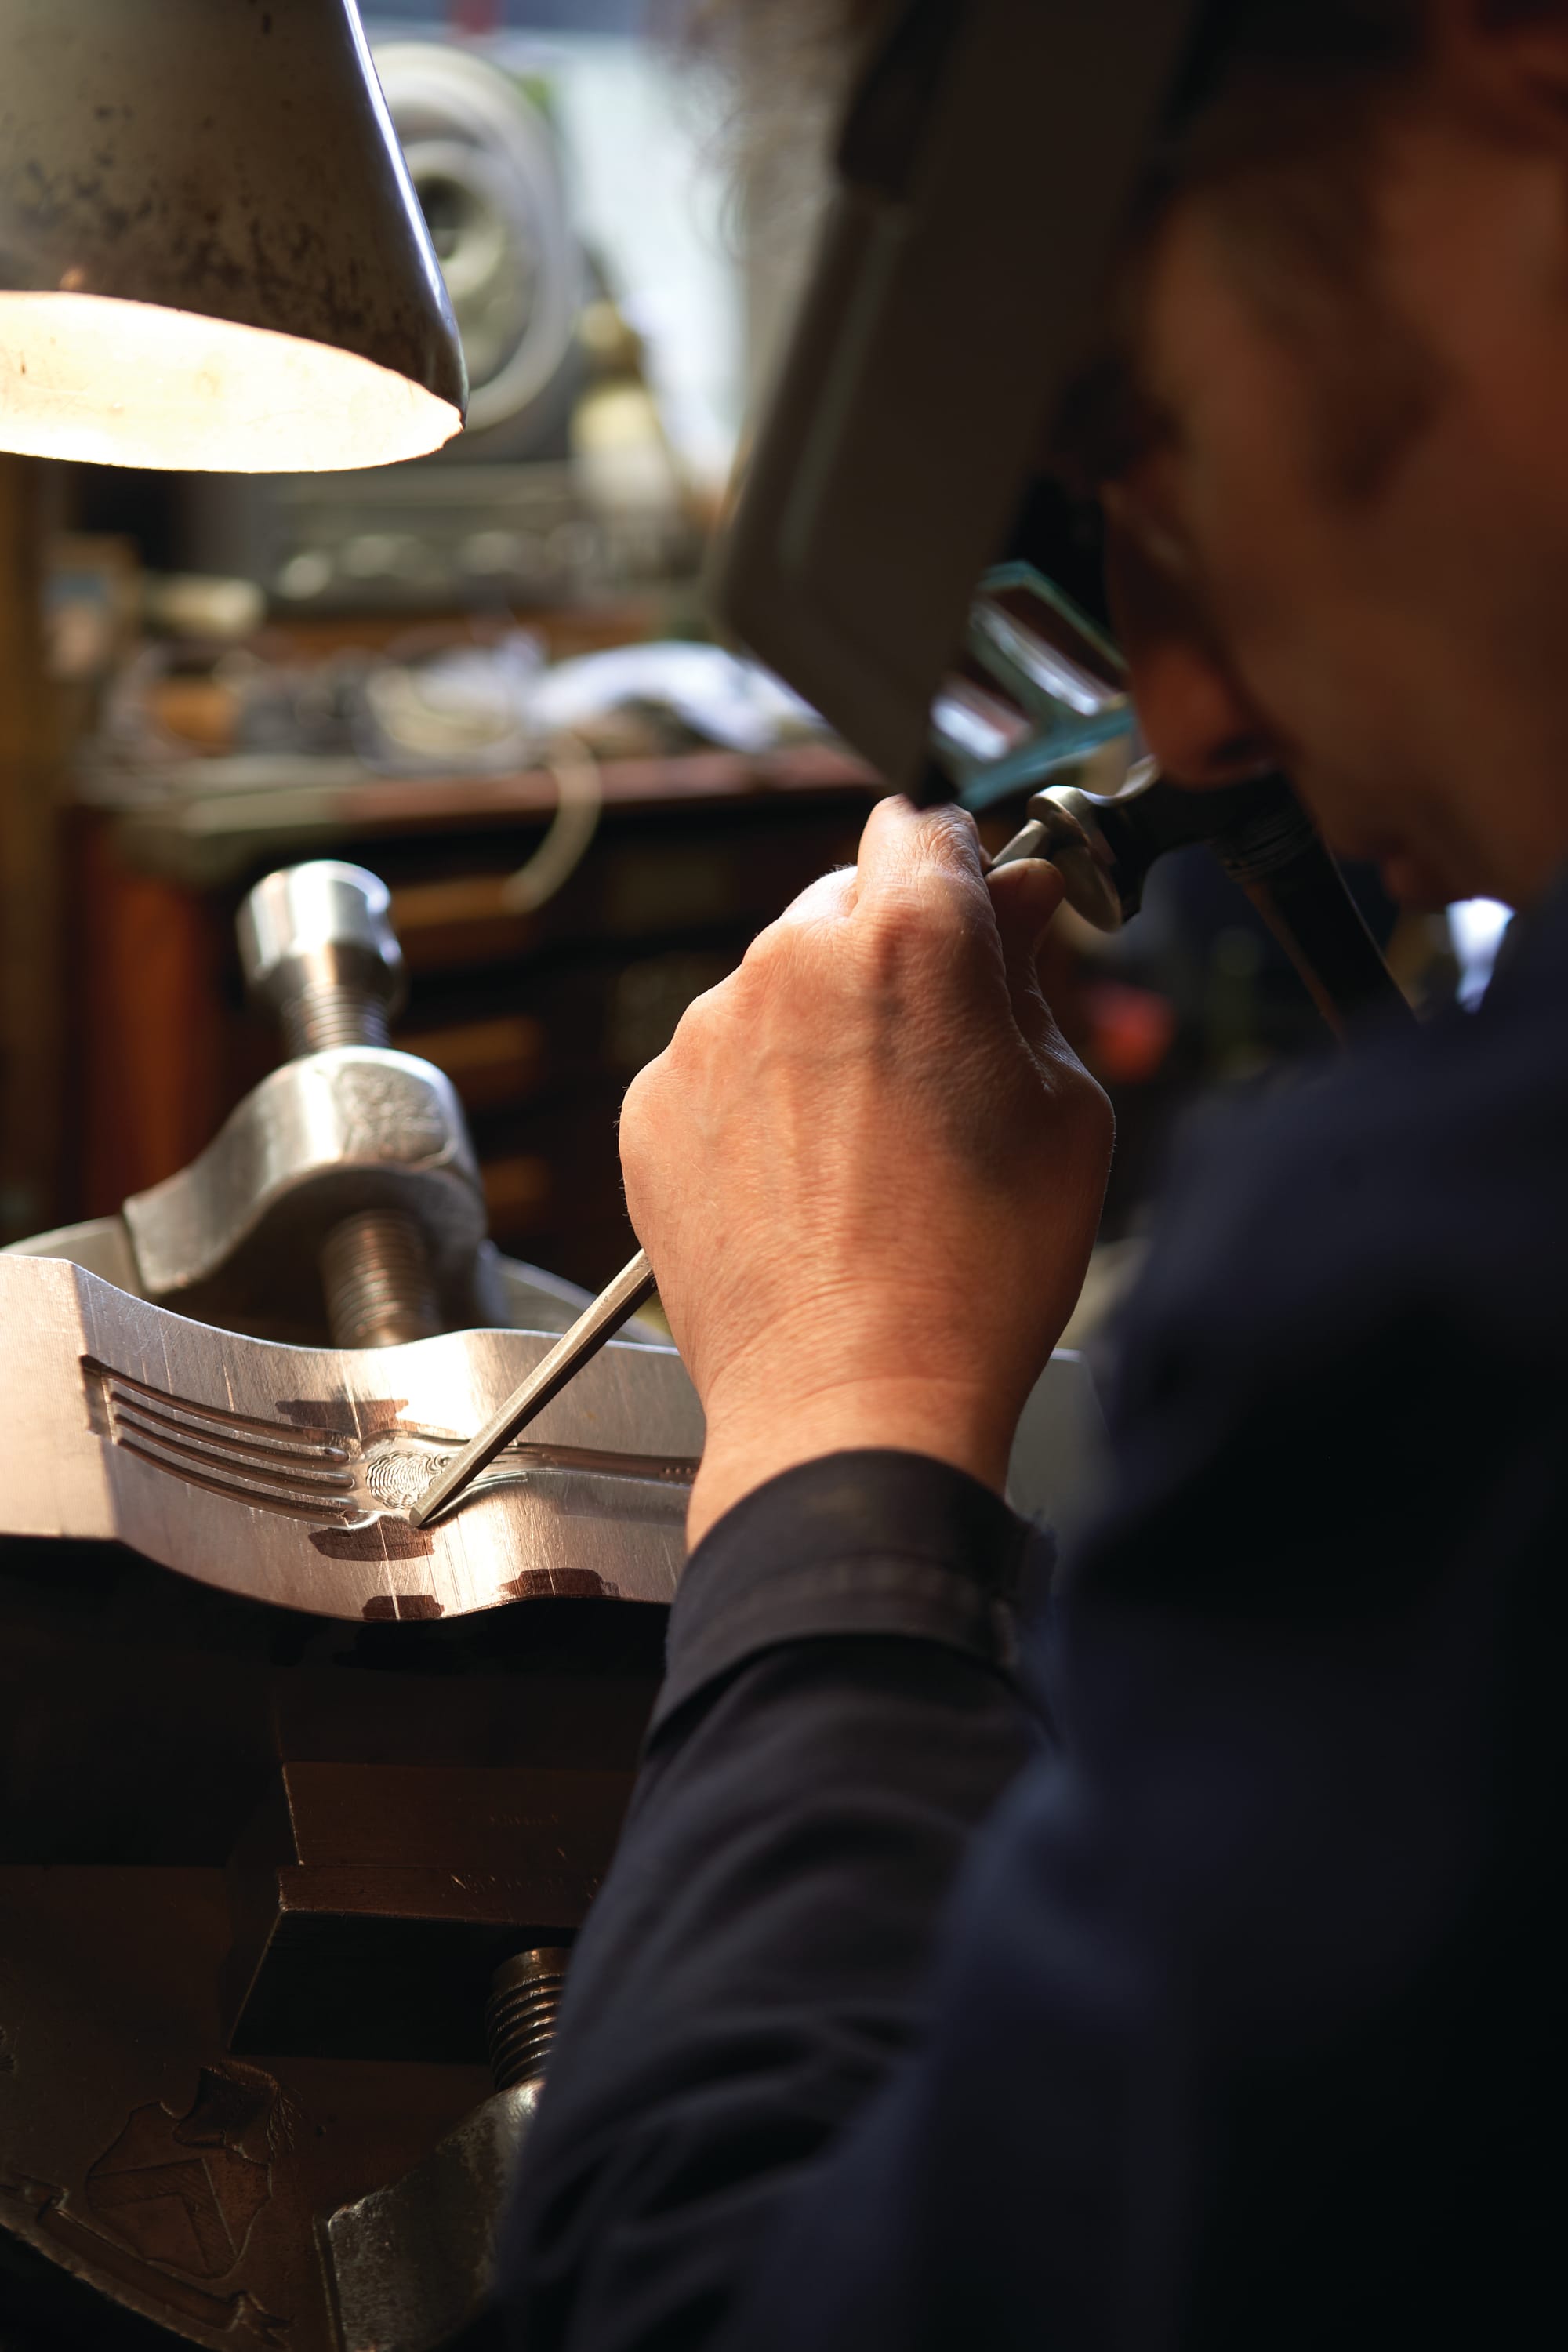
(317, 946)
(519, 2016)
(376, 1272)
(327, 1014)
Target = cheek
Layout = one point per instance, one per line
(1337, 610)
(1330, 660)
(1270, 568)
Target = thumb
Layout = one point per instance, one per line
(1025, 897)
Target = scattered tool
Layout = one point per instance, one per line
(632, 1289)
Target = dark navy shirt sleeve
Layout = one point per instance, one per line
(869, 1543)
(839, 1713)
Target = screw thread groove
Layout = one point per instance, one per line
(376, 1272)
(332, 1013)
(519, 2016)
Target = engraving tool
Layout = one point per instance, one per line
(632, 1289)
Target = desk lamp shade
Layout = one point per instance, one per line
(210, 252)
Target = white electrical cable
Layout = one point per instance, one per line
(579, 798)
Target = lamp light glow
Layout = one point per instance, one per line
(211, 255)
(83, 376)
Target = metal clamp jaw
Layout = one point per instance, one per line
(342, 1199)
(349, 1133)
(351, 1158)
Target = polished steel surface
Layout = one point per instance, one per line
(317, 946)
(290, 1474)
(102, 1245)
(632, 1289)
(313, 935)
(286, 1473)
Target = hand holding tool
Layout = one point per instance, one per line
(1104, 847)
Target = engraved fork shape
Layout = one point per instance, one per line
(331, 1476)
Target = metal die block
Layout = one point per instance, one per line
(285, 1474)
(371, 1903)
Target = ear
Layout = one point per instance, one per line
(1505, 61)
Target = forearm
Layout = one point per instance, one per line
(839, 1717)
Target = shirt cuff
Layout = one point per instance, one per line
(874, 1542)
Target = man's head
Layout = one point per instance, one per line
(1330, 430)
(1339, 538)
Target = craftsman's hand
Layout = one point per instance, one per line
(868, 1170)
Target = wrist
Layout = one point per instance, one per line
(751, 1440)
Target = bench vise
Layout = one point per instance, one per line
(294, 1842)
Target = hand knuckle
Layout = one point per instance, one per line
(928, 913)
(697, 1022)
(950, 827)
(636, 1103)
(761, 953)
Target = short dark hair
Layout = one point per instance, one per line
(1275, 132)
(775, 52)
(1276, 129)
(1272, 128)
